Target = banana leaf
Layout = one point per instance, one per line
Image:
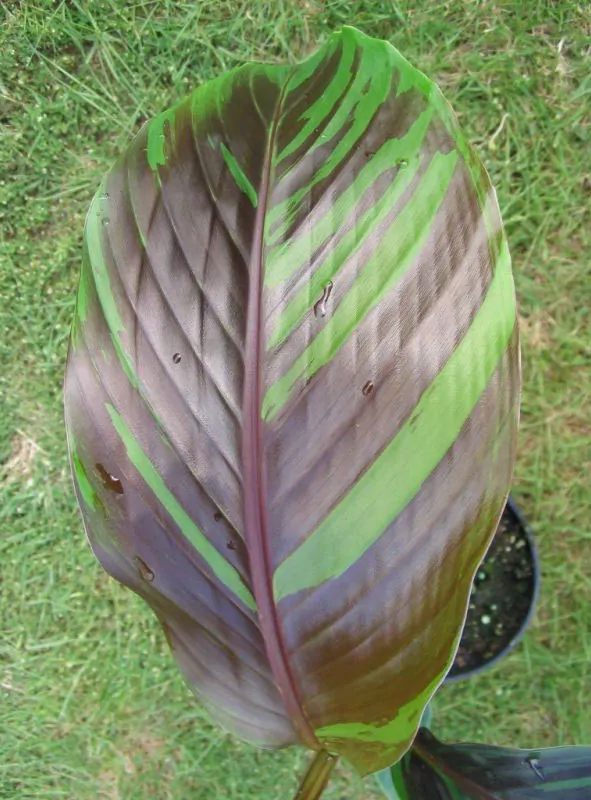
(436, 771)
(292, 391)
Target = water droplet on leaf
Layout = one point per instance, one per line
(218, 516)
(403, 164)
(105, 196)
(176, 358)
(320, 305)
(368, 388)
(110, 482)
(146, 574)
(105, 222)
(485, 619)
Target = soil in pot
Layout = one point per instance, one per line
(501, 598)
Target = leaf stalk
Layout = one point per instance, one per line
(316, 778)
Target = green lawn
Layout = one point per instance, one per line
(91, 704)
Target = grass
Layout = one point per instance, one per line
(91, 704)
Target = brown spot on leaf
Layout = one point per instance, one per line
(110, 482)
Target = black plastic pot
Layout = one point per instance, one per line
(503, 599)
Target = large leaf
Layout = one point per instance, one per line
(292, 391)
(436, 771)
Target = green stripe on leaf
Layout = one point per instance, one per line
(83, 482)
(156, 150)
(287, 258)
(322, 108)
(369, 90)
(393, 257)
(221, 568)
(395, 733)
(241, 180)
(373, 502)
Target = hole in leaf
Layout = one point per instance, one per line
(320, 305)
(146, 574)
(534, 763)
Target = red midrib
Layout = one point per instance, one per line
(255, 511)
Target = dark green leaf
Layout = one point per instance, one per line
(436, 771)
(292, 391)
(385, 779)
